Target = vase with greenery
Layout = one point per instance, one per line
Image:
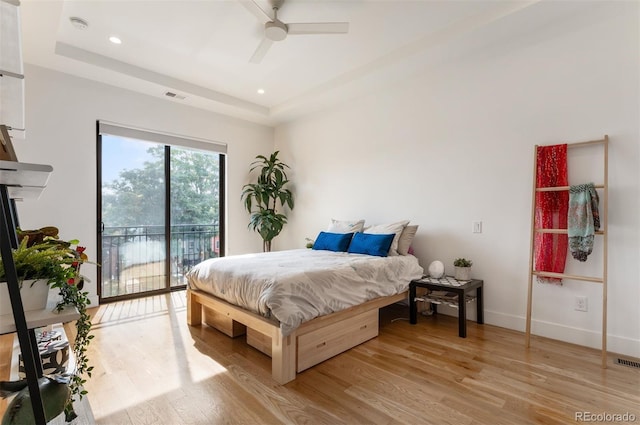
(57, 263)
(261, 198)
(463, 268)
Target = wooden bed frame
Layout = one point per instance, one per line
(311, 343)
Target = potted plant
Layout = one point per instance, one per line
(56, 263)
(38, 265)
(261, 198)
(463, 268)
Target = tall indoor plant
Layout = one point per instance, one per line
(261, 198)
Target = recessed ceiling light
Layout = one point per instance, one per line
(79, 23)
(260, 91)
(115, 40)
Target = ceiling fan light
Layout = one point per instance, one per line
(276, 30)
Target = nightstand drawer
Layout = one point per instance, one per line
(327, 342)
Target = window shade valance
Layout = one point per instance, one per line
(163, 138)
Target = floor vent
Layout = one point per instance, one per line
(630, 363)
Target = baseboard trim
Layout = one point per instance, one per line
(579, 336)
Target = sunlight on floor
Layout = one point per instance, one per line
(138, 372)
(137, 309)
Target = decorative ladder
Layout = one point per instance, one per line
(602, 280)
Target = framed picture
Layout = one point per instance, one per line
(6, 148)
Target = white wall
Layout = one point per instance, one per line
(455, 144)
(61, 114)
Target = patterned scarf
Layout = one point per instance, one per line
(583, 219)
(551, 211)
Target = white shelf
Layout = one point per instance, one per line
(23, 180)
(20, 193)
(39, 318)
(24, 174)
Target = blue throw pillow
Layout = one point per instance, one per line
(371, 244)
(338, 242)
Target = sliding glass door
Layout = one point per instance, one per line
(160, 214)
(195, 216)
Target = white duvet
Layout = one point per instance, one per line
(295, 286)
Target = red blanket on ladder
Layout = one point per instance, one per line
(551, 211)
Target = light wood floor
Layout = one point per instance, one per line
(151, 368)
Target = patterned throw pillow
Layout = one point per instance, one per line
(395, 228)
(345, 226)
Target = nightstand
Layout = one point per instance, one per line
(460, 290)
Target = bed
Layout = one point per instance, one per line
(300, 307)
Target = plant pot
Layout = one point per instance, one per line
(34, 294)
(463, 273)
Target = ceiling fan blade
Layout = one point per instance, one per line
(319, 28)
(262, 50)
(256, 11)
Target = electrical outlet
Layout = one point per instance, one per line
(581, 304)
(477, 227)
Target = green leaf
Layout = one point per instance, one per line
(268, 189)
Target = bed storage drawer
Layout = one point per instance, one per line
(321, 344)
(223, 323)
(259, 341)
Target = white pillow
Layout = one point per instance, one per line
(396, 228)
(404, 243)
(345, 226)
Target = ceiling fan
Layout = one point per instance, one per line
(276, 30)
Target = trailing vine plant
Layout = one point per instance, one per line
(71, 294)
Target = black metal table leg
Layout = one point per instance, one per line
(413, 305)
(479, 306)
(462, 314)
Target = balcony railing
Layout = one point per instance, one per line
(134, 258)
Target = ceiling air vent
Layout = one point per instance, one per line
(175, 95)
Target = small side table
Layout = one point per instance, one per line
(449, 284)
